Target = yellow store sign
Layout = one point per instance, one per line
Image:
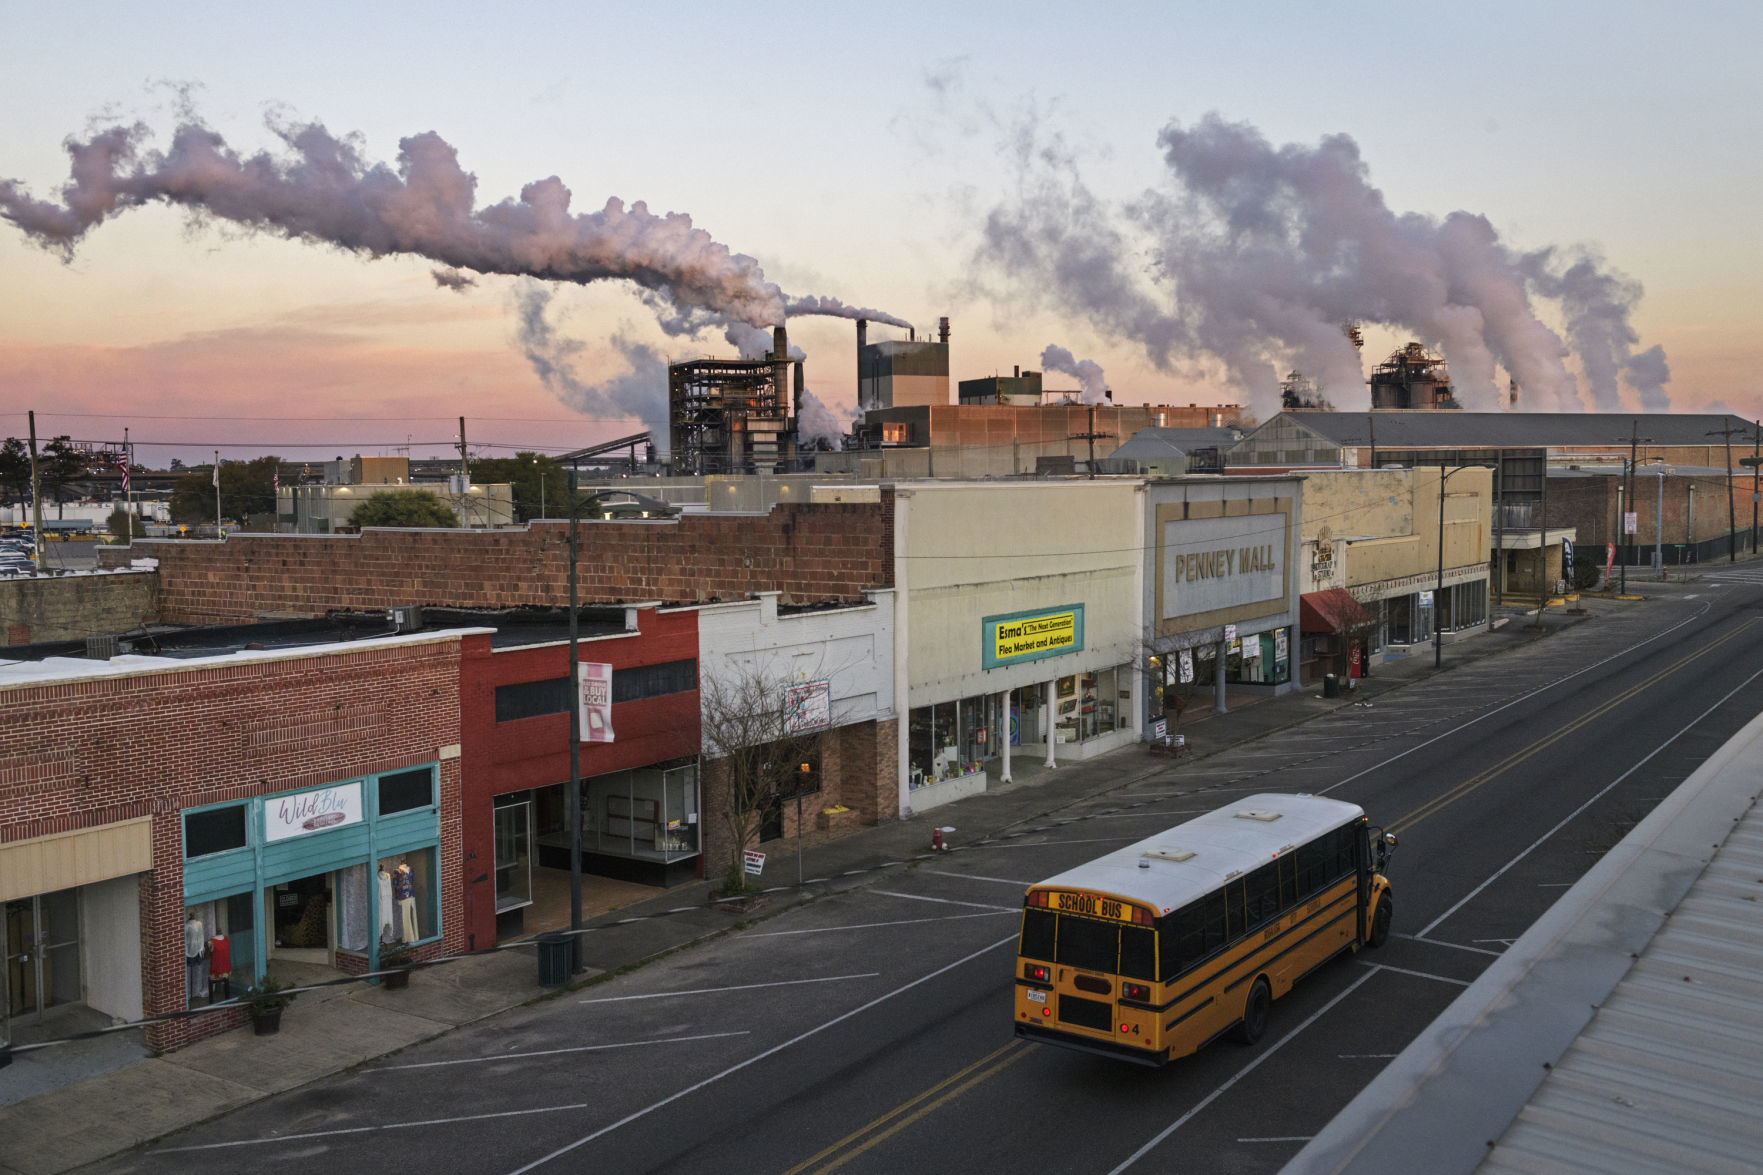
(1030, 636)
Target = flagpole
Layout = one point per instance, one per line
(128, 493)
(217, 493)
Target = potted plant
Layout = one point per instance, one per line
(395, 963)
(265, 1001)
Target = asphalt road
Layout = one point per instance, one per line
(870, 1031)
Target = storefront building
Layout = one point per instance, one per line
(1220, 600)
(1015, 627)
(640, 795)
(164, 874)
(1376, 536)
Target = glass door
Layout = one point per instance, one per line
(514, 863)
(42, 955)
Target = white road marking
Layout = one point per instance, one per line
(214, 1146)
(1365, 1056)
(661, 995)
(1144, 815)
(1041, 844)
(1287, 1138)
(754, 1060)
(580, 1048)
(1514, 702)
(997, 912)
(1573, 815)
(977, 877)
(1456, 946)
(1418, 974)
(1240, 1074)
(915, 897)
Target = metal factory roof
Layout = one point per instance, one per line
(1432, 429)
(1623, 1032)
(1176, 442)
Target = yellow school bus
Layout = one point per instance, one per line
(1151, 951)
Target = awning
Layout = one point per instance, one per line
(1333, 610)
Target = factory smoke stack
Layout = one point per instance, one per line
(862, 333)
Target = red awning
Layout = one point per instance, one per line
(1333, 610)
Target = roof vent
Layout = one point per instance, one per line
(1265, 815)
(1161, 854)
(101, 648)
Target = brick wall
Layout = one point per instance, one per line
(71, 607)
(809, 552)
(83, 753)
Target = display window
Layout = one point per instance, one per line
(650, 813)
(220, 948)
(406, 898)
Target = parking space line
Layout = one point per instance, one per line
(214, 1146)
(977, 877)
(661, 995)
(915, 897)
(1418, 974)
(1439, 942)
(580, 1048)
(997, 912)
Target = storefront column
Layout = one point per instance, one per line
(1218, 676)
(1004, 734)
(1052, 691)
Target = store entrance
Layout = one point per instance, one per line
(300, 920)
(42, 959)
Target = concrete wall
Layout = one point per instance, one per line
(110, 947)
(1390, 519)
(73, 607)
(809, 552)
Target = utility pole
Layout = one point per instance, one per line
(1756, 461)
(464, 469)
(573, 802)
(217, 493)
(1634, 441)
(1732, 525)
(1091, 436)
(36, 495)
(1499, 528)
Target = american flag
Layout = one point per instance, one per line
(275, 481)
(124, 462)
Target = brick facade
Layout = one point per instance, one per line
(92, 750)
(73, 607)
(810, 552)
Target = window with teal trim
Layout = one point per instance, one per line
(214, 830)
(403, 791)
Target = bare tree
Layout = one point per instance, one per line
(756, 737)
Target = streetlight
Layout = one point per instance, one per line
(1635, 440)
(1438, 596)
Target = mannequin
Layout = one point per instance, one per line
(387, 910)
(195, 941)
(220, 967)
(405, 889)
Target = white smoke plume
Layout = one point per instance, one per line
(453, 279)
(1257, 254)
(322, 189)
(639, 392)
(1088, 372)
(833, 308)
(819, 422)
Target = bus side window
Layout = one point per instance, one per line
(1184, 939)
(1235, 911)
(1347, 841)
(1288, 881)
(1213, 920)
(1261, 895)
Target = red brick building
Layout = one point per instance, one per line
(164, 819)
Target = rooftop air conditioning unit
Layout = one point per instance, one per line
(404, 618)
(101, 648)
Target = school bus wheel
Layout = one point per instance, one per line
(1380, 922)
(1254, 1021)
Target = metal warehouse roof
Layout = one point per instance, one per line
(1430, 429)
(1623, 1032)
(1192, 859)
(1176, 442)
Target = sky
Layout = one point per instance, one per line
(1189, 196)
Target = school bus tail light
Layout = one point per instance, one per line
(1037, 972)
(1135, 991)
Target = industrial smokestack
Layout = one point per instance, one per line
(911, 334)
(943, 329)
(862, 333)
(796, 399)
(780, 342)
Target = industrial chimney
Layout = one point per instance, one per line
(943, 329)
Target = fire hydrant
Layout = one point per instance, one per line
(936, 841)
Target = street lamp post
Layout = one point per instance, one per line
(573, 803)
(1634, 439)
(1438, 595)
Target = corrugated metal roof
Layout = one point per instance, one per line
(1175, 442)
(1397, 430)
(1669, 1073)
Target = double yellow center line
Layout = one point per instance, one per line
(908, 1112)
(1438, 803)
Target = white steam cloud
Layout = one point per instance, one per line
(639, 392)
(453, 279)
(1088, 372)
(1258, 254)
(322, 190)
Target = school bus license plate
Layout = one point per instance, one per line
(1037, 997)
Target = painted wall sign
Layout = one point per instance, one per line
(1016, 637)
(311, 811)
(808, 705)
(596, 702)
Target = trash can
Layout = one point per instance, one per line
(554, 951)
(1331, 686)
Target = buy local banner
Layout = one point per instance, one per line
(1030, 636)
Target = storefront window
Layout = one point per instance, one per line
(220, 948)
(214, 830)
(514, 864)
(404, 791)
(650, 812)
(407, 898)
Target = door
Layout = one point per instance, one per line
(42, 957)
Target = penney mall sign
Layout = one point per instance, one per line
(1214, 563)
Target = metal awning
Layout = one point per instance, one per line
(1331, 610)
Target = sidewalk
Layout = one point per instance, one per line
(325, 1032)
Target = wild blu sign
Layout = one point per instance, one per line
(1030, 636)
